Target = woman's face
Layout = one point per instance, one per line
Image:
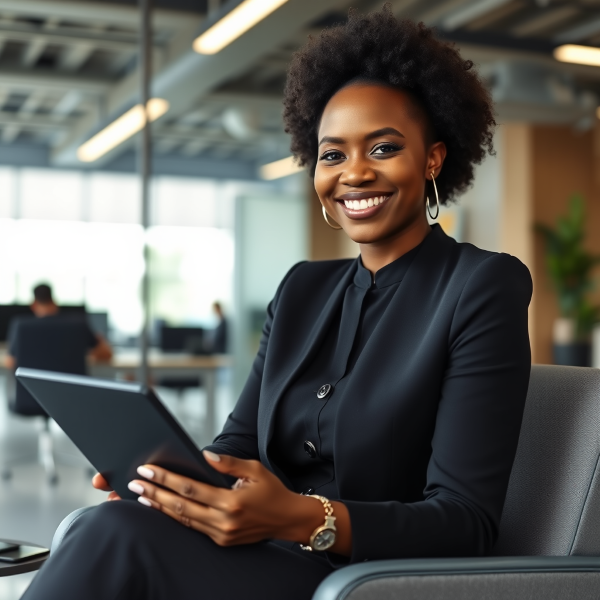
(373, 161)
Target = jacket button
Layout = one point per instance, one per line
(324, 391)
(310, 449)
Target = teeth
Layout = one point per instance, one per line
(366, 203)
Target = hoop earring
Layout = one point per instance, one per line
(437, 201)
(327, 220)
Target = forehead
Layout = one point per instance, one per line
(367, 107)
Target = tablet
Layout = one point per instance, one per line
(119, 426)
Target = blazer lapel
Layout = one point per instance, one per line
(270, 395)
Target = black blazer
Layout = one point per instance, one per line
(428, 428)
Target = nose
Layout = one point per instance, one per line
(357, 171)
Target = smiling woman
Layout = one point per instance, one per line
(382, 413)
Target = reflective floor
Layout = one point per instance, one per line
(31, 508)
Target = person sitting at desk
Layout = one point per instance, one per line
(219, 341)
(44, 307)
(381, 416)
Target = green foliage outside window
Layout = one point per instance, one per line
(570, 267)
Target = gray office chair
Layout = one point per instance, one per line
(549, 542)
(51, 344)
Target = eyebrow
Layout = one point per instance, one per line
(374, 134)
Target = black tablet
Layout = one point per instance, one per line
(118, 426)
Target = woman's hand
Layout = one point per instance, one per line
(101, 484)
(258, 507)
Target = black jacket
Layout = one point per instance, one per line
(427, 432)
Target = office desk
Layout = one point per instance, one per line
(127, 362)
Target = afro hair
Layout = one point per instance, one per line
(405, 55)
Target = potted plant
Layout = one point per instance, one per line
(570, 268)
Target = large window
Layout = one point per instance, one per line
(80, 232)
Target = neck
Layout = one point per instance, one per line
(45, 310)
(379, 254)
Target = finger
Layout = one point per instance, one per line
(183, 486)
(100, 483)
(113, 496)
(238, 467)
(160, 498)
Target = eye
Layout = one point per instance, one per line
(387, 148)
(331, 156)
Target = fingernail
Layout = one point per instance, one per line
(136, 488)
(144, 501)
(146, 472)
(212, 456)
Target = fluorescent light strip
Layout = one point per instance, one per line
(580, 55)
(235, 23)
(280, 168)
(121, 129)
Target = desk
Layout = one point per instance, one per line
(127, 362)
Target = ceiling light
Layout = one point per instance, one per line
(280, 168)
(235, 23)
(581, 55)
(121, 129)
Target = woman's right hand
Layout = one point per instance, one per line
(101, 484)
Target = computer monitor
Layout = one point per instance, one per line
(9, 311)
(182, 339)
(72, 310)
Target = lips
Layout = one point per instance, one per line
(362, 205)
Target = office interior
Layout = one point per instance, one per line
(227, 212)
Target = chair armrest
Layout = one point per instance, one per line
(65, 525)
(528, 577)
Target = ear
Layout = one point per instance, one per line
(435, 159)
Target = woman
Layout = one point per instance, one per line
(391, 386)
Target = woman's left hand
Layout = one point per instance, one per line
(258, 507)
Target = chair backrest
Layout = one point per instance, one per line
(553, 503)
(57, 344)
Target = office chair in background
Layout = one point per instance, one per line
(52, 345)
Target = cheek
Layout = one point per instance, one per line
(325, 182)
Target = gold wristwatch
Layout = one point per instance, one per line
(323, 537)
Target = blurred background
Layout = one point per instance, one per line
(223, 212)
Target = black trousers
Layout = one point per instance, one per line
(125, 551)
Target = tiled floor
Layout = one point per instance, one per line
(31, 509)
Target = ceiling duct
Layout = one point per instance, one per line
(537, 93)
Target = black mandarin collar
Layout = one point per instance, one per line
(388, 275)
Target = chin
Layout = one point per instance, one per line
(364, 235)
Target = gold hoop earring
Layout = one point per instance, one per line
(327, 220)
(437, 201)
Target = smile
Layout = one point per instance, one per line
(365, 202)
(365, 207)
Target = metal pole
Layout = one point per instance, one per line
(145, 69)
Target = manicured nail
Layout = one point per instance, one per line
(146, 472)
(212, 456)
(136, 488)
(144, 501)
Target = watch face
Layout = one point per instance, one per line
(324, 540)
